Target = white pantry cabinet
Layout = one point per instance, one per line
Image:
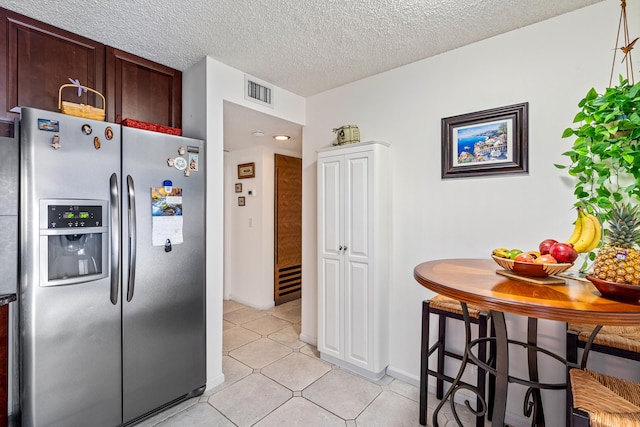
(354, 236)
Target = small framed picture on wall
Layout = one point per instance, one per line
(241, 201)
(239, 187)
(247, 170)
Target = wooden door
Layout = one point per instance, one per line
(288, 229)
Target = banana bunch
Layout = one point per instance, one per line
(501, 252)
(587, 232)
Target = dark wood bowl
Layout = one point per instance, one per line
(616, 291)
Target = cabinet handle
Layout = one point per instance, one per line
(345, 248)
(340, 248)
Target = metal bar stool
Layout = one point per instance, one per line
(620, 341)
(447, 308)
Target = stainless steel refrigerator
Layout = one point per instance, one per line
(112, 275)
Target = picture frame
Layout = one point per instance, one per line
(239, 187)
(488, 142)
(247, 170)
(241, 201)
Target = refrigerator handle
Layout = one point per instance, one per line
(115, 238)
(132, 238)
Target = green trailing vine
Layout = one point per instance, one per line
(605, 156)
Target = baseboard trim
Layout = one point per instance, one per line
(308, 339)
(373, 376)
(265, 306)
(404, 376)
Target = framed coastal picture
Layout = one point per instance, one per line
(486, 142)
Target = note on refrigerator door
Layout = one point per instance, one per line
(166, 211)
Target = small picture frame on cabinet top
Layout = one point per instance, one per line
(247, 170)
(239, 187)
(241, 201)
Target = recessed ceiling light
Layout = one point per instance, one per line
(282, 137)
(257, 133)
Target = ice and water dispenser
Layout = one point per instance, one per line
(73, 241)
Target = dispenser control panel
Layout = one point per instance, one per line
(74, 216)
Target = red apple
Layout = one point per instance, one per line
(524, 257)
(545, 245)
(563, 252)
(546, 259)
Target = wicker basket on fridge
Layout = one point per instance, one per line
(81, 110)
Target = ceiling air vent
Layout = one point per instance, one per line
(258, 92)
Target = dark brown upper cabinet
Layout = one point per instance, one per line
(142, 90)
(38, 59)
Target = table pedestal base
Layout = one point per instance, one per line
(532, 405)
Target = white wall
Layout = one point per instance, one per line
(550, 65)
(198, 121)
(250, 254)
(206, 86)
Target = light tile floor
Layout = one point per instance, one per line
(273, 379)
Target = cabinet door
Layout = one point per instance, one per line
(142, 90)
(357, 283)
(38, 59)
(330, 256)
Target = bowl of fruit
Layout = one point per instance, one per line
(533, 269)
(552, 258)
(616, 291)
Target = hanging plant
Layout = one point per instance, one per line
(605, 156)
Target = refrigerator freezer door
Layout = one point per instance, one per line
(163, 314)
(70, 333)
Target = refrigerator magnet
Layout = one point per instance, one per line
(49, 125)
(55, 142)
(180, 163)
(170, 162)
(181, 151)
(86, 129)
(96, 143)
(108, 133)
(193, 162)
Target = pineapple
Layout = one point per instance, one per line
(619, 259)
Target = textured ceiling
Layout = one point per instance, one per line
(304, 46)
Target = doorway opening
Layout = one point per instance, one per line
(259, 270)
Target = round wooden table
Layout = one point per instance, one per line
(474, 281)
